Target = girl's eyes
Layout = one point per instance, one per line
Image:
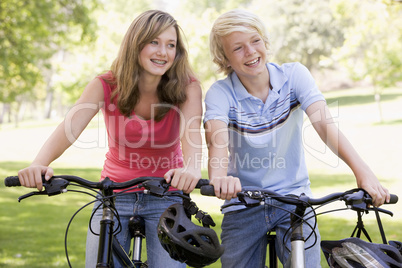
(154, 42)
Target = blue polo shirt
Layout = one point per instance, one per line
(265, 139)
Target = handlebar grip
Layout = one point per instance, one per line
(202, 182)
(393, 199)
(207, 190)
(12, 181)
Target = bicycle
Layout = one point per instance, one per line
(108, 244)
(355, 199)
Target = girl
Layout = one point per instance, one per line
(151, 103)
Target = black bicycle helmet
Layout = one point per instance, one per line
(355, 253)
(185, 241)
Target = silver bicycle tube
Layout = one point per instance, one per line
(297, 254)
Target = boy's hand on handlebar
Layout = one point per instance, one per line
(226, 187)
(31, 176)
(182, 179)
(373, 187)
(378, 193)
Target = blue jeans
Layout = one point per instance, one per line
(149, 208)
(244, 235)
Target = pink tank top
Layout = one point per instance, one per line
(139, 147)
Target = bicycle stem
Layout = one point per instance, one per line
(106, 232)
(297, 238)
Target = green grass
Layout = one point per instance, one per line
(361, 96)
(32, 232)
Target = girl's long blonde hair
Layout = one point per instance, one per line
(126, 67)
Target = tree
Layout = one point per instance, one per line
(300, 30)
(31, 32)
(196, 18)
(82, 63)
(372, 50)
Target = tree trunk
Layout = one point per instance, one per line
(2, 111)
(377, 97)
(21, 111)
(49, 94)
(48, 102)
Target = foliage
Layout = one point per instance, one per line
(82, 63)
(196, 19)
(372, 48)
(300, 30)
(31, 32)
(56, 47)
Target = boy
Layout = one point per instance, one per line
(256, 114)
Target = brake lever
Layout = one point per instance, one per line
(53, 186)
(29, 195)
(384, 211)
(155, 187)
(361, 201)
(250, 199)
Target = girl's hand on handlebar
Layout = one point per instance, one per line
(182, 179)
(31, 176)
(226, 187)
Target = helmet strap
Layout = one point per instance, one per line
(203, 217)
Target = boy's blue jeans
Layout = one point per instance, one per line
(244, 235)
(150, 208)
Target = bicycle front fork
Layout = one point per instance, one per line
(105, 239)
(136, 227)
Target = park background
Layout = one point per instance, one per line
(49, 50)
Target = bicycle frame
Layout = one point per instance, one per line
(273, 258)
(355, 199)
(297, 256)
(108, 244)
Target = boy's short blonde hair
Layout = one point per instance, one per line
(227, 23)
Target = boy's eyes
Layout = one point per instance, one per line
(254, 41)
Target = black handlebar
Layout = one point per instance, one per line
(208, 190)
(14, 181)
(58, 184)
